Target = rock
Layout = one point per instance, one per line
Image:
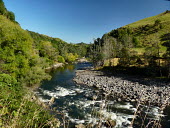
(94, 97)
(119, 99)
(78, 91)
(110, 123)
(51, 100)
(124, 88)
(80, 126)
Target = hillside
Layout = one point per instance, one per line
(141, 44)
(62, 47)
(164, 17)
(145, 32)
(24, 56)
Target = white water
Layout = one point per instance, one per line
(120, 118)
(71, 98)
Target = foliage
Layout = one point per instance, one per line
(3, 11)
(17, 54)
(11, 16)
(70, 57)
(61, 59)
(142, 43)
(24, 55)
(17, 109)
(61, 47)
(2, 8)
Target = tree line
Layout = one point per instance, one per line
(134, 48)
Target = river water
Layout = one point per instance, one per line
(79, 104)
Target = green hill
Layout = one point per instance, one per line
(163, 17)
(20, 66)
(24, 56)
(143, 43)
(145, 32)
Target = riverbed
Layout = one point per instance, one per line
(81, 104)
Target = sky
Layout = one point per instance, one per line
(76, 21)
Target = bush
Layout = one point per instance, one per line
(18, 109)
(70, 57)
(11, 16)
(61, 59)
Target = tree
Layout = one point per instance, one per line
(11, 16)
(3, 10)
(70, 57)
(124, 57)
(96, 53)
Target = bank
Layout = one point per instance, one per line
(127, 88)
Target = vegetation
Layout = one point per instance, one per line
(24, 56)
(143, 44)
(3, 11)
(58, 48)
(18, 109)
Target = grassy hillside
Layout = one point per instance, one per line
(24, 56)
(144, 33)
(164, 17)
(143, 43)
(151, 29)
(20, 66)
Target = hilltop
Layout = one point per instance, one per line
(164, 17)
(144, 32)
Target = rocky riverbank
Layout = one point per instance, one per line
(127, 88)
(54, 66)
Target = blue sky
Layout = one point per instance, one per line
(81, 20)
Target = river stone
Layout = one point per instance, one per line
(111, 123)
(119, 99)
(52, 100)
(94, 97)
(152, 91)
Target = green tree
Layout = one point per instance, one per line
(61, 59)
(11, 16)
(124, 57)
(70, 57)
(3, 10)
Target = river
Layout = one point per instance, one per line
(84, 105)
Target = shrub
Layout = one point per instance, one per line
(61, 59)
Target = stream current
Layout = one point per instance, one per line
(81, 104)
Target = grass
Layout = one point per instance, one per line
(140, 51)
(26, 114)
(19, 108)
(164, 17)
